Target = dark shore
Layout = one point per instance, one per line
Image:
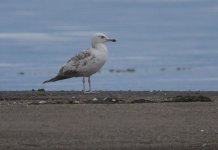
(116, 120)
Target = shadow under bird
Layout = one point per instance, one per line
(86, 62)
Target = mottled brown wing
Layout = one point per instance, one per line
(74, 62)
(80, 56)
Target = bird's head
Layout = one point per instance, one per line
(101, 38)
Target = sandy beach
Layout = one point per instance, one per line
(112, 120)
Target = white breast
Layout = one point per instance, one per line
(98, 59)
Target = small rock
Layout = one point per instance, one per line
(113, 100)
(106, 100)
(42, 102)
(109, 100)
(76, 102)
(94, 99)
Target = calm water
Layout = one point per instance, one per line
(171, 44)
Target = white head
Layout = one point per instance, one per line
(99, 38)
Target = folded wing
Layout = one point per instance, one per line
(70, 69)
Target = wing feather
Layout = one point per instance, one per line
(80, 56)
(70, 69)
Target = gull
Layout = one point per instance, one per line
(85, 63)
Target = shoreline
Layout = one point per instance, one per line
(109, 120)
(106, 97)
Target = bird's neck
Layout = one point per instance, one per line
(99, 46)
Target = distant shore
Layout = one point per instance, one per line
(112, 120)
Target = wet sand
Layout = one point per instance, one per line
(116, 120)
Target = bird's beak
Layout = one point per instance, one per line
(112, 40)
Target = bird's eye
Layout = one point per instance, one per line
(102, 36)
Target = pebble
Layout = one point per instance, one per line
(42, 102)
(76, 102)
(94, 99)
(113, 100)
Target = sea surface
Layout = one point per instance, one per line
(161, 44)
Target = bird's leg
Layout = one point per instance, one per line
(84, 87)
(90, 87)
(89, 80)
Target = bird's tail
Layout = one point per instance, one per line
(56, 78)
